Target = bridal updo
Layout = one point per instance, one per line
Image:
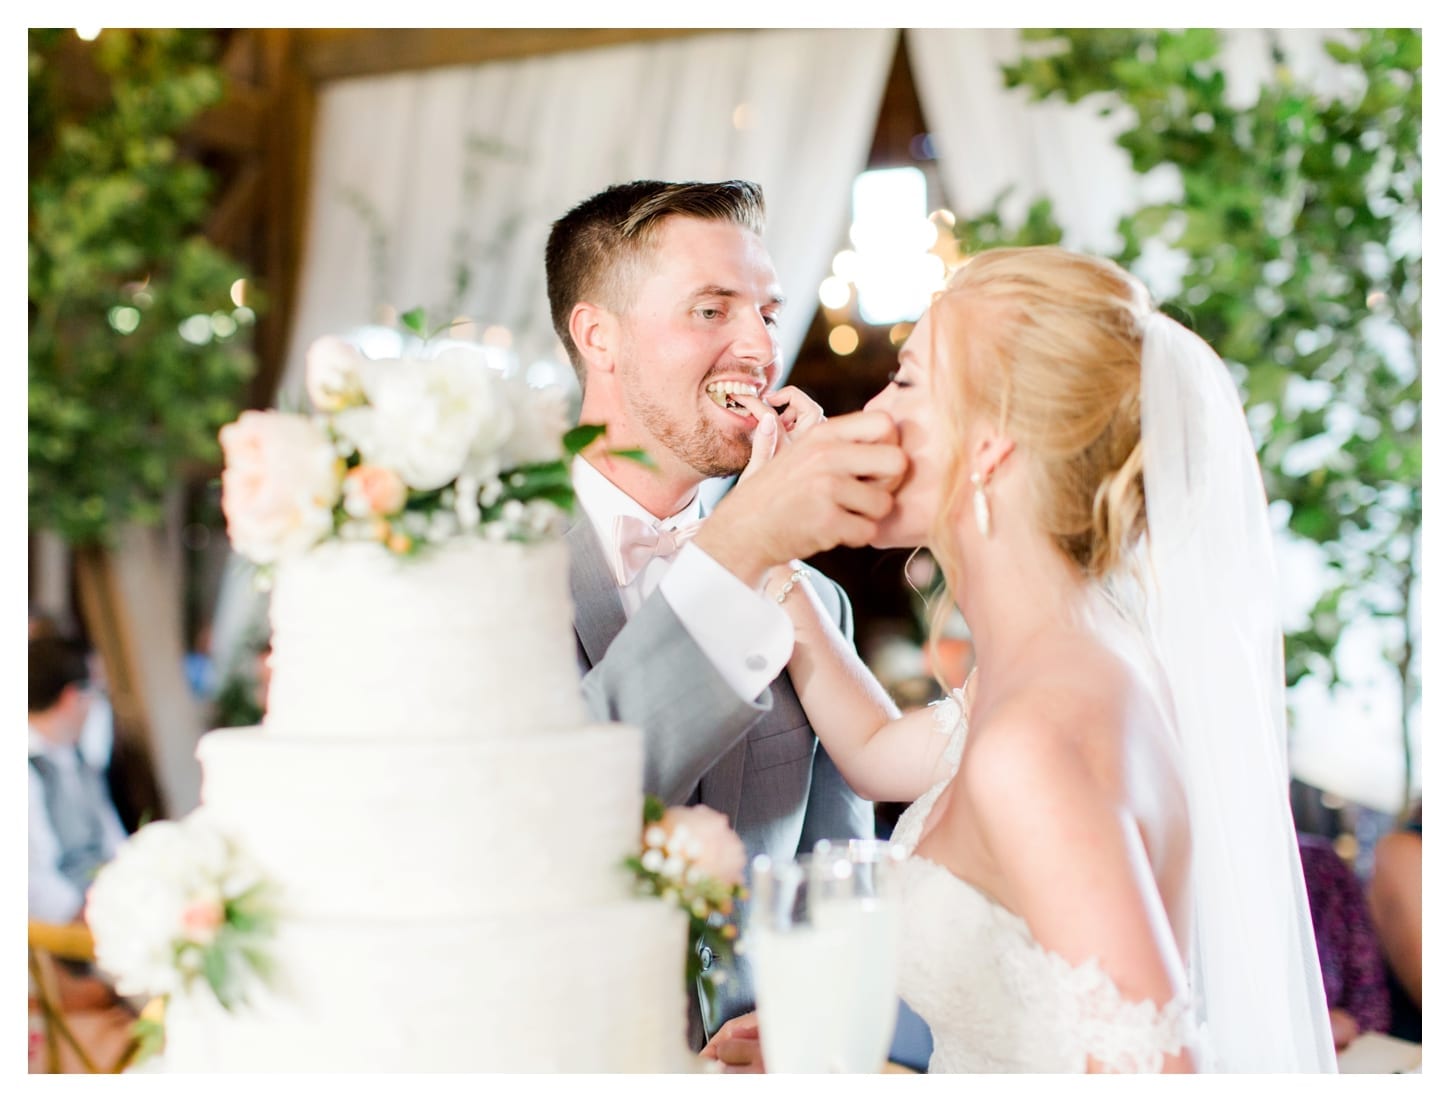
(1047, 345)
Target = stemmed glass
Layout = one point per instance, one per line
(821, 940)
(853, 890)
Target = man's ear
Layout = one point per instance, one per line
(73, 697)
(595, 332)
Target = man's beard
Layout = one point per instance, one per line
(703, 445)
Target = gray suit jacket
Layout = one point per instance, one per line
(759, 762)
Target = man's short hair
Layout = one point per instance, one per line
(591, 250)
(54, 664)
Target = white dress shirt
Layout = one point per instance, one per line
(746, 636)
(53, 898)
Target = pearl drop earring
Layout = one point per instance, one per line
(980, 505)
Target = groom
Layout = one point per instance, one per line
(666, 301)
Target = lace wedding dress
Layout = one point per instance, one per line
(996, 1000)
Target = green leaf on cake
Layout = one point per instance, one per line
(580, 437)
(214, 970)
(415, 320)
(638, 455)
(537, 480)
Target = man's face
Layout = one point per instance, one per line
(699, 320)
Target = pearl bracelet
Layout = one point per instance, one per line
(797, 576)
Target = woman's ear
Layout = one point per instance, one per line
(991, 452)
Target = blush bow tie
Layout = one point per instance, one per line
(637, 541)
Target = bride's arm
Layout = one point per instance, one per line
(1073, 865)
(882, 755)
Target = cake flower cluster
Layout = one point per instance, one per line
(400, 452)
(178, 905)
(689, 856)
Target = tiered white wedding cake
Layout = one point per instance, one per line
(439, 831)
(444, 831)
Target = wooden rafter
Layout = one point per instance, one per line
(332, 54)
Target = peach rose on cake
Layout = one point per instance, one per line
(201, 919)
(280, 483)
(371, 491)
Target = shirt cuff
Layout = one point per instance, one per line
(747, 637)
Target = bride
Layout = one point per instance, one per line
(1103, 873)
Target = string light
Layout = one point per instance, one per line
(844, 340)
(835, 292)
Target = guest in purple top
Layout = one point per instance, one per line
(1349, 953)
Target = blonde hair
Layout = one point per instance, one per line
(1047, 344)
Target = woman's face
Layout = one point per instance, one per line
(914, 403)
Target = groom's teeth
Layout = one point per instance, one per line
(722, 393)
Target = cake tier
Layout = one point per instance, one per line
(419, 829)
(469, 639)
(591, 989)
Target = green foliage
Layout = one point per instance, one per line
(1300, 223)
(149, 1032)
(119, 399)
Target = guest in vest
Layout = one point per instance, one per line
(74, 828)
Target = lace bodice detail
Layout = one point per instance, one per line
(995, 999)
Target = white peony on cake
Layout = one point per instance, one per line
(430, 828)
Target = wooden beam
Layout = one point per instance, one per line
(234, 215)
(233, 126)
(332, 53)
(109, 629)
(287, 165)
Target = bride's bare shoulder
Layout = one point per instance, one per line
(1069, 718)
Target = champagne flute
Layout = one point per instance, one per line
(798, 969)
(853, 892)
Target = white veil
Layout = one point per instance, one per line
(1214, 623)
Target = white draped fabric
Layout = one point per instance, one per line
(425, 180)
(438, 188)
(989, 138)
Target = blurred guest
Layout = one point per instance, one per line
(74, 828)
(1394, 907)
(98, 736)
(42, 624)
(201, 673)
(1349, 956)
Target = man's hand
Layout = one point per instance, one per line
(827, 487)
(736, 1044)
(797, 410)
